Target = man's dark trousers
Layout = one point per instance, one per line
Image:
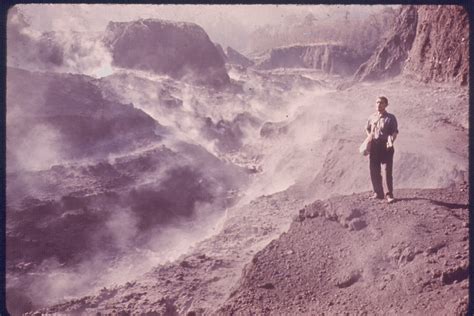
(380, 154)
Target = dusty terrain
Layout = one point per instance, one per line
(311, 168)
(353, 255)
(139, 191)
(344, 254)
(399, 262)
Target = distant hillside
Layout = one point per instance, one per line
(361, 32)
(330, 58)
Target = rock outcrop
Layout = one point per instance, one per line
(440, 52)
(330, 58)
(234, 57)
(178, 49)
(428, 43)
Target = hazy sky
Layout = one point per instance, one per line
(225, 24)
(47, 16)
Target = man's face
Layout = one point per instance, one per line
(380, 105)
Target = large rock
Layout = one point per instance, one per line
(330, 58)
(180, 50)
(389, 57)
(440, 51)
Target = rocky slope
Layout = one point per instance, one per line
(344, 254)
(315, 147)
(62, 116)
(300, 147)
(201, 280)
(86, 217)
(180, 50)
(352, 254)
(429, 43)
(330, 58)
(91, 181)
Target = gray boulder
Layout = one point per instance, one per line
(177, 49)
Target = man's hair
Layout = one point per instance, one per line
(384, 100)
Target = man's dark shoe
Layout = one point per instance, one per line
(376, 196)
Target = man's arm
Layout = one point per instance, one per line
(393, 136)
(391, 139)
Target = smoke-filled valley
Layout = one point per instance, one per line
(147, 165)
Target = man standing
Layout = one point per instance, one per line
(383, 128)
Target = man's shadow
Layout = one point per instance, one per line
(439, 203)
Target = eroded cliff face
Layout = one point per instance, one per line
(440, 51)
(427, 43)
(330, 58)
(180, 50)
(389, 57)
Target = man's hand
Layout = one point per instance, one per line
(390, 140)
